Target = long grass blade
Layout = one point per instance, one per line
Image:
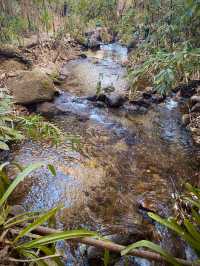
(20, 177)
(42, 219)
(152, 246)
(52, 238)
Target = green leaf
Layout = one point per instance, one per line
(52, 238)
(171, 224)
(42, 219)
(33, 255)
(20, 177)
(106, 258)
(152, 246)
(193, 202)
(51, 251)
(192, 230)
(52, 169)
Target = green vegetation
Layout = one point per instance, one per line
(168, 44)
(185, 225)
(20, 245)
(16, 128)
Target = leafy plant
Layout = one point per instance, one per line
(22, 225)
(186, 225)
(16, 128)
(165, 70)
(8, 132)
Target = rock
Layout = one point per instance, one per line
(93, 44)
(31, 87)
(11, 66)
(16, 210)
(185, 119)
(7, 51)
(50, 69)
(148, 92)
(83, 56)
(131, 45)
(196, 108)
(141, 102)
(100, 104)
(4, 155)
(101, 98)
(186, 91)
(142, 110)
(93, 39)
(131, 109)
(195, 99)
(48, 109)
(157, 98)
(115, 101)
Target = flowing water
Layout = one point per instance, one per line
(126, 160)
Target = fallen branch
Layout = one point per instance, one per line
(33, 260)
(112, 246)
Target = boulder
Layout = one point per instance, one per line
(115, 101)
(31, 87)
(157, 98)
(185, 119)
(131, 45)
(195, 99)
(48, 109)
(187, 91)
(141, 102)
(196, 108)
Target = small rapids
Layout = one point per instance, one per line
(125, 161)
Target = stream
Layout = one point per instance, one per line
(126, 161)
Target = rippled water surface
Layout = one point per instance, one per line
(125, 160)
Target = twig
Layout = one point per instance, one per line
(32, 260)
(112, 246)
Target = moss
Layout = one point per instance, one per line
(46, 84)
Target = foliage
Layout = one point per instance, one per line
(19, 17)
(8, 132)
(23, 243)
(16, 128)
(168, 43)
(185, 225)
(164, 70)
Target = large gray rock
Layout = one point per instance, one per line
(195, 99)
(196, 108)
(31, 87)
(185, 119)
(48, 109)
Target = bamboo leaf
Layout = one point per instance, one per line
(42, 219)
(192, 230)
(20, 177)
(152, 246)
(51, 251)
(52, 169)
(52, 238)
(106, 259)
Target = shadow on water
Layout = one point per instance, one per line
(126, 160)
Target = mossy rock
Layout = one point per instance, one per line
(31, 87)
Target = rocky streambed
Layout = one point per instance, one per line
(132, 158)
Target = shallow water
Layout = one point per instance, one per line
(125, 161)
